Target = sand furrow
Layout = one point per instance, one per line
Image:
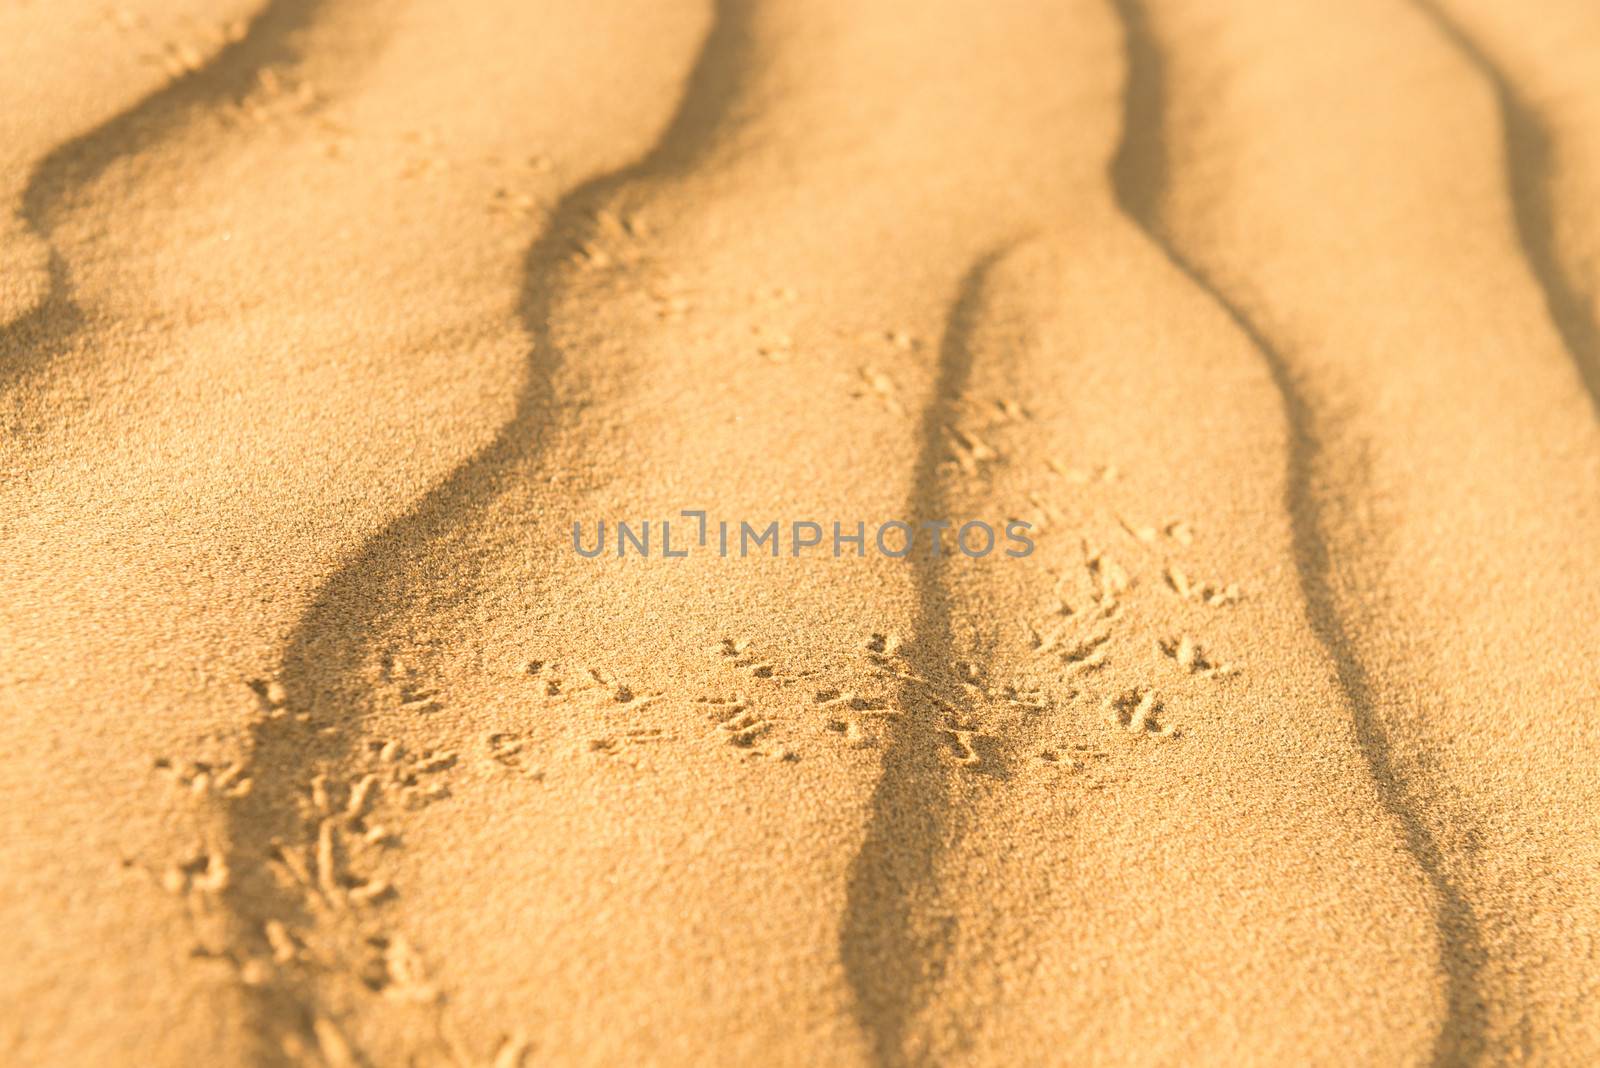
(1071, 845)
(799, 531)
(277, 43)
(1444, 446)
(1530, 168)
(1141, 177)
(594, 708)
(1107, 746)
(889, 950)
(69, 66)
(306, 729)
(316, 287)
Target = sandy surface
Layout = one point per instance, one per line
(323, 321)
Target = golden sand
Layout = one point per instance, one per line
(322, 322)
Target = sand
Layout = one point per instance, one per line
(322, 323)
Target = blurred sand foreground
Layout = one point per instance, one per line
(324, 320)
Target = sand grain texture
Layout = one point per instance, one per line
(323, 321)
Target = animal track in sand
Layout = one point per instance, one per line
(1212, 593)
(204, 779)
(736, 720)
(204, 871)
(1078, 656)
(1177, 530)
(621, 743)
(1108, 578)
(613, 241)
(532, 170)
(849, 715)
(1079, 761)
(409, 776)
(875, 383)
(333, 872)
(736, 654)
(741, 726)
(562, 683)
(962, 734)
(176, 55)
(406, 688)
(968, 435)
(1136, 710)
(1097, 614)
(272, 98)
(505, 748)
(772, 343)
(672, 297)
(1076, 757)
(976, 422)
(1192, 658)
(961, 703)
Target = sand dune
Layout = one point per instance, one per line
(1454, 680)
(79, 67)
(325, 322)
